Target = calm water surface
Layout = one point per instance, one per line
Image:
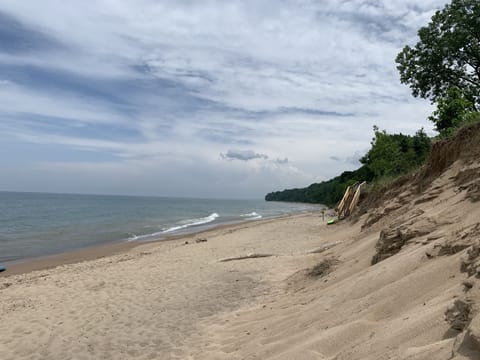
(37, 224)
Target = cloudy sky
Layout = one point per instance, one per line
(199, 98)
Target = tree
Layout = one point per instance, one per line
(452, 112)
(390, 155)
(395, 154)
(384, 154)
(421, 144)
(447, 55)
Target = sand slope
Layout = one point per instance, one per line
(399, 282)
(406, 285)
(394, 309)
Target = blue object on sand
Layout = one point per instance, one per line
(2, 268)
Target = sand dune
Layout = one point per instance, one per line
(400, 281)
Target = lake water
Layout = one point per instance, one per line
(37, 224)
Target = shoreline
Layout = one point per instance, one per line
(150, 302)
(280, 288)
(93, 252)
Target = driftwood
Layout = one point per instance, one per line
(249, 256)
(324, 248)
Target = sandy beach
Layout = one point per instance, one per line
(240, 180)
(397, 281)
(184, 299)
(150, 301)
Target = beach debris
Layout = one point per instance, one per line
(122, 259)
(350, 200)
(200, 240)
(323, 268)
(2, 268)
(324, 248)
(458, 314)
(249, 256)
(332, 221)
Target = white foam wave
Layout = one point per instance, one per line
(192, 222)
(134, 237)
(252, 216)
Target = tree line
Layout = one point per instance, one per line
(389, 156)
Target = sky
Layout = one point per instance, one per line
(206, 99)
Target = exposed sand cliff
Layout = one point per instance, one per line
(399, 282)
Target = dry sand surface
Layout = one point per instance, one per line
(400, 282)
(148, 302)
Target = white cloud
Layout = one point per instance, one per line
(300, 80)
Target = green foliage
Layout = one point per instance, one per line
(395, 154)
(447, 55)
(327, 192)
(473, 117)
(452, 112)
(390, 155)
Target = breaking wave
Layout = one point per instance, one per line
(192, 222)
(252, 216)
